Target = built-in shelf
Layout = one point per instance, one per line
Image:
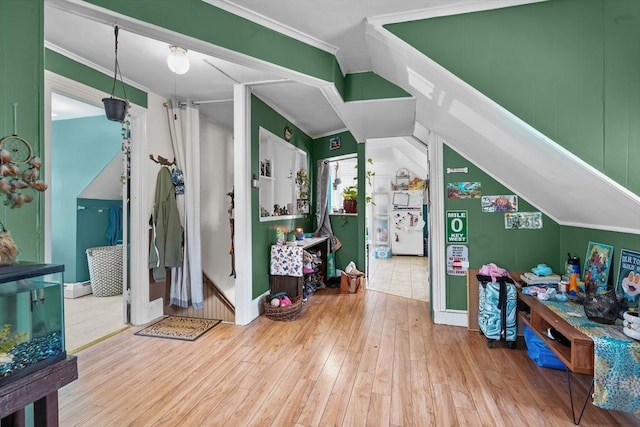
(279, 217)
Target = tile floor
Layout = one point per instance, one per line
(406, 276)
(90, 318)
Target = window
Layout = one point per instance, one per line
(343, 172)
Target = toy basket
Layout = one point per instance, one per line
(283, 313)
(105, 270)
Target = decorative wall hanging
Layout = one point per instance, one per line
(522, 220)
(499, 203)
(19, 169)
(464, 190)
(628, 285)
(597, 265)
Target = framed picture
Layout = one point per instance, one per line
(628, 285)
(303, 206)
(334, 143)
(597, 265)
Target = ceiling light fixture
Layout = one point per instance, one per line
(177, 60)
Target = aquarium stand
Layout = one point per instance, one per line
(41, 389)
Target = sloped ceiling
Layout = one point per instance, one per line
(551, 178)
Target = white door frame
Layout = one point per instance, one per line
(137, 245)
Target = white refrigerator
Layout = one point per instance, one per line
(407, 223)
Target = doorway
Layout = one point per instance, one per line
(86, 213)
(397, 219)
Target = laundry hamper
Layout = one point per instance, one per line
(105, 270)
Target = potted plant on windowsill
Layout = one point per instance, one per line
(350, 199)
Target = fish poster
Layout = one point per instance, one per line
(499, 203)
(464, 190)
(629, 277)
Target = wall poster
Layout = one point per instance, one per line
(629, 277)
(499, 203)
(464, 190)
(457, 260)
(597, 265)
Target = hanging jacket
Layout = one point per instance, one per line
(166, 244)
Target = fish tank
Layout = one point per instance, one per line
(31, 319)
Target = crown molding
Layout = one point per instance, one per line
(272, 24)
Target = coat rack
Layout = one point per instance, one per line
(162, 161)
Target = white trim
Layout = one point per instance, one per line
(605, 184)
(109, 17)
(451, 317)
(138, 221)
(331, 133)
(379, 100)
(138, 238)
(245, 306)
(437, 227)
(272, 24)
(447, 10)
(93, 65)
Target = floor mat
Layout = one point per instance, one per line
(179, 328)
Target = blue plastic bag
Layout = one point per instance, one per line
(539, 352)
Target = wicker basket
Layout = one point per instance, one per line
(105, 270)
(283, 313)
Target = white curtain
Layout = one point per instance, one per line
(186, 282)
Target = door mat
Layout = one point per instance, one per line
(179, 328)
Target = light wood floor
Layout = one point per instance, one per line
(367, 359)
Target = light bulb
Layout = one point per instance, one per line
(177, 60)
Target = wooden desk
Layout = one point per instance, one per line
(40, 388)
(578, 357)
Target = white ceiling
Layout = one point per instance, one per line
(87, 35)
(65, 108)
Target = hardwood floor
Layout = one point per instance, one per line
(367, 359)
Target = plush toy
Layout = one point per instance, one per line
(275, 302)
(307, 263)
(285, 301)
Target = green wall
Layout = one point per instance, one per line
(349, 229)
(80, 149)
(569, 68)
(488, 240)
(264, 233)
(203, 21)
(369, 85)
(22, 82)
(575, 240)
